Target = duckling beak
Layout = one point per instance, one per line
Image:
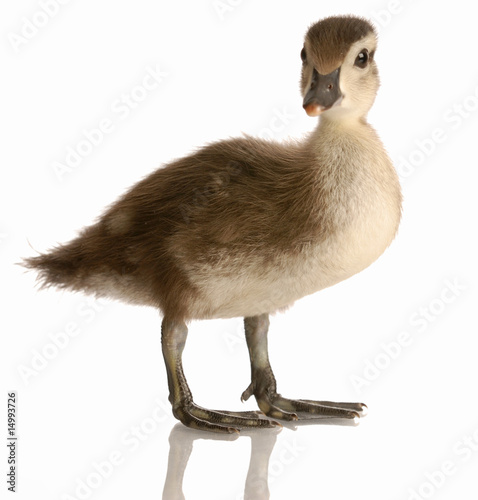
(324, 92)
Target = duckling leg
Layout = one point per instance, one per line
(264, 387)
(173, 339)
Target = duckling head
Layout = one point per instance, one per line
(339, 74)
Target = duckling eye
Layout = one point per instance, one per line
(303, 55)
(362, 59)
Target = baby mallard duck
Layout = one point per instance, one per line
(245, 227)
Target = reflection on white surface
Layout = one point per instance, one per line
(181, 441)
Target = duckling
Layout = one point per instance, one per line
(245, 227)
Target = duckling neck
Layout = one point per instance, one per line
(343, 124)
(352, 167)
(348, 141)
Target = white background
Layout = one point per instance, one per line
(229, 71)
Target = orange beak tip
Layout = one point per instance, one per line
(314, 109)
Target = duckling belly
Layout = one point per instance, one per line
(240, 285)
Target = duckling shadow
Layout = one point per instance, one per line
(181, 441)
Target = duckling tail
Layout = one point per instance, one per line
(61, 267)
(73, 265)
